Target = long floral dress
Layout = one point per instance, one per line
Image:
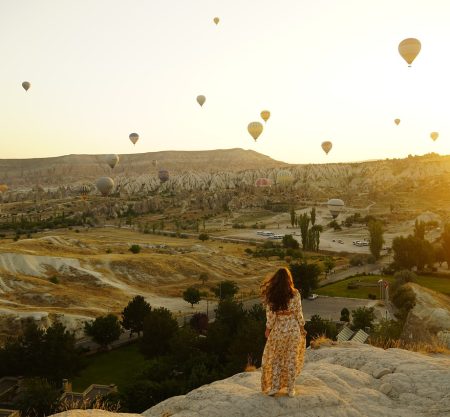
(284, 352)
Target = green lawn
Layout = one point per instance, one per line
(339, 289)
(118, 366)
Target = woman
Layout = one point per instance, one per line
(284, 352)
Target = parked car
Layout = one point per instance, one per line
(312, 297)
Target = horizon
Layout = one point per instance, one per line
(102, 70)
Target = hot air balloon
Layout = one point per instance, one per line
(112, 160)
(409, 49)
(335, 205)
(105, 185)
(201, 100)
(326, 146)
(263, 182)
(134, 137)
(26, 85)
(397, 121)
(434, 135)
(163, 175)
(85, 189)
(255, 129)
(265, 114)
(216, 20)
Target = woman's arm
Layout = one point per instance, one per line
(270, 320)
(298, 310)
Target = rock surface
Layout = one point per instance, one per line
(346, 380)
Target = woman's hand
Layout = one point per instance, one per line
(267, 333)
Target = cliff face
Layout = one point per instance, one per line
(349, 379)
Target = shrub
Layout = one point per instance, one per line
(357, 260)
(345, 315)
(135, 248)
(54, 280)
(372, 296)
(109, 250)
(203, 236)
(248, 250)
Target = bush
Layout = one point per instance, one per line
(372, 296)
(135, 248)
(357, 260)
(363, 317)
(109, 250)
(345, 315)
(54, 280)
(290, 242)
(248, 250)
(203, 236)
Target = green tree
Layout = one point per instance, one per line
(401, 278)
(314, 240)
(134, 313)
(329, 265)
(376, 238)
(292, 213)
(345, 315)
(199, 322)
(290, 242)
(313, 216)
(439, 254)
(404, 299)
(419, 229)
(104, 330)
(363, 317)
(305, 276)
(38, 398)
(203, 277)
(225, 290)
(304, 228)
(135, 248)
(404, 252)
(192, 296)
(159, 328)
(317, 326)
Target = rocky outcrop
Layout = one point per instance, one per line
(345, 380)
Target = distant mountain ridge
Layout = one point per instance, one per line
(74, 168)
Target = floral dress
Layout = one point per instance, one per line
(284, 352)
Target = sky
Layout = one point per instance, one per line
(326, 70)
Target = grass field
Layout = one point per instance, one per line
(119, 366)
(339, 289)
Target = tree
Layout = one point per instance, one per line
(292, 213)
(317, 326)
(225, 290)
(305, 276)
(419, 229)
(314, 240)
(135, 248)
(404, 298)
(203, 277)
(104, 330)
(439, 254)
(38, 398)
(376, 238)
(345, 315)
(412, 251)
(199, 322)
(401, 278)
(159, 327)
(203, 236)
(134, 313)
(304, 227)
(363, 317)
(290, 242)
(192, 296)
(313, 216)
(329, 265)
(445, 239)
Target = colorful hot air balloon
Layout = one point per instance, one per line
(265, 114)
(255, 129)
(112, 160)
(326, 146)
(85, 189)
(105, 185)
(335, 205)
(201, 100)
(434, 135)
(26, 85)
(163, 175)
(409, 49)
(216, 20)
(397, 121)
(134, 137)
(263, 182)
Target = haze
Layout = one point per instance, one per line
(327, 70)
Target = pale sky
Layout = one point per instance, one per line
(326, 69)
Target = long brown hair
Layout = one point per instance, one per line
(278, 289)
